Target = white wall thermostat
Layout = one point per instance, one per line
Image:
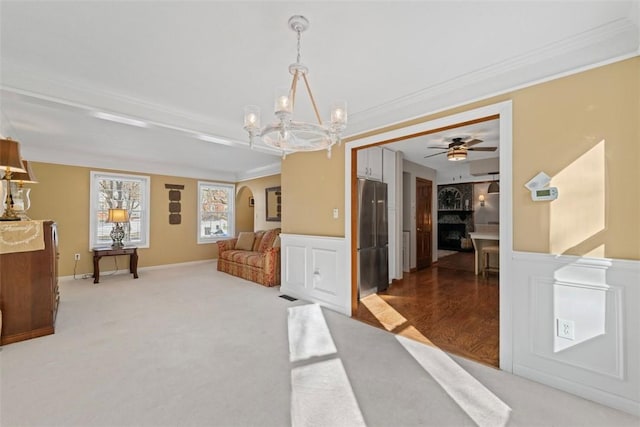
(538, 182)
(544, 194)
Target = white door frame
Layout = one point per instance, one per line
(504, 110)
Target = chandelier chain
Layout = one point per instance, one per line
(298, 57)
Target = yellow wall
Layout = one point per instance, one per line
(62, 195)
(312, 186)
(258, 187)
(583, 130)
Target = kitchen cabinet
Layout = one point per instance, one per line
(370, 163)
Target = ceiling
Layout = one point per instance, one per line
(185, 69)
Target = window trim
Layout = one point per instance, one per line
(93, 204)
(232, 211)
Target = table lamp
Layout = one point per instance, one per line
(117, 216)
(10, 162)
(21, 200)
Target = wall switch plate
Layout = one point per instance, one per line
(76, 257)
(335, 213)
(566, 329)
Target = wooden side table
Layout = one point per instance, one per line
(98, 253)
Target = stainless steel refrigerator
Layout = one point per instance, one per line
(373, 241)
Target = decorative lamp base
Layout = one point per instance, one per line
(117, 234)
(9, 213)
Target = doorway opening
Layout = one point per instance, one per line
(441, 274)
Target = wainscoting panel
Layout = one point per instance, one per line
(314, 269)
(293, 271)
(577, 326)
(323, 264)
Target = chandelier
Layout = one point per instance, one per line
(288, 135)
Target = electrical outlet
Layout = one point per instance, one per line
(335, 213)
(76, 257)
(566, 329)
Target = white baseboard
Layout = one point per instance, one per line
(140, 269)
(590, 393)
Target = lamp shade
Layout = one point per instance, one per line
(10, 156)
(494, 187)
(118, 215)
(27, 177)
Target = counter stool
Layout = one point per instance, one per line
(486, 254)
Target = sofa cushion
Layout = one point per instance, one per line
(245, 240)
(268, 239)
(256, 243)
(253, 259)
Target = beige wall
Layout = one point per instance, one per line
(583, 130)
(257, 187)
(312, 186)
(62, 195)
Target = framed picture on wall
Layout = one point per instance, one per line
(252, 202)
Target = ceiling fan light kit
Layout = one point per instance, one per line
(457, 149)
(456, 154)
(285, 134)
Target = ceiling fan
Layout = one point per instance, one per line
(457, 149)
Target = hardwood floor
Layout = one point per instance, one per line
(442, 305)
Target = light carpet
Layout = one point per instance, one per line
(189, 346)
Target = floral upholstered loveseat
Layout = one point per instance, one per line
(253, 256)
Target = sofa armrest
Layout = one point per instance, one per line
(271, 258)
(226, 245)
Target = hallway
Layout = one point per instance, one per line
(443, 305)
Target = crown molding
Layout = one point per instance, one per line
(53, 88)
(269, 170)
(69, 158)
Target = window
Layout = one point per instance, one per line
(113, 190)
(216, 211)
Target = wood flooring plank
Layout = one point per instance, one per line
(446, 305)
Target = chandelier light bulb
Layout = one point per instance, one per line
(282, 105)
(251, 117)
(339, 113)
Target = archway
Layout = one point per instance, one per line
(245, 214)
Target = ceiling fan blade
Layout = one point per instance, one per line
(473, 142)
(483, 149)
(439, 148)
(431, 155)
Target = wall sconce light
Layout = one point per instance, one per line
(481, 198)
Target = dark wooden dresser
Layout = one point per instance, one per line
(29, 290)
